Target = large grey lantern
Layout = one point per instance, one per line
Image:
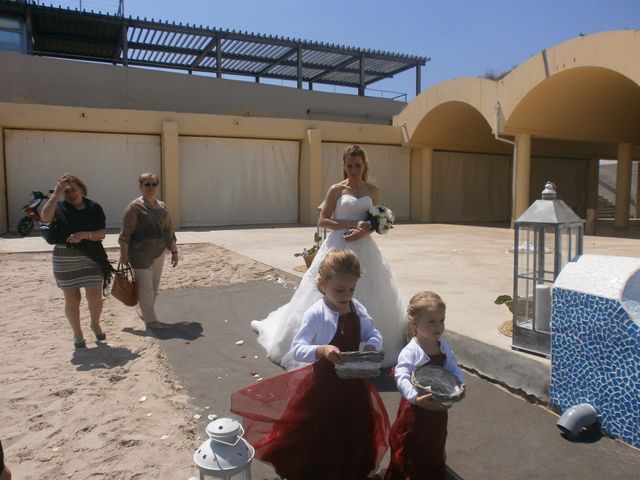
(547, 236)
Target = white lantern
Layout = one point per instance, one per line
(226, 454)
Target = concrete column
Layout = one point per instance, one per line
(593, 174)
(171, 171)
(310, 177)
(4, 221)
(522, 175)
(623, 185)
(422, 184)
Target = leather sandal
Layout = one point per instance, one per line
(100, 337)
(80, 344)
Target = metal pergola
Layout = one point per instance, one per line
(99, 37)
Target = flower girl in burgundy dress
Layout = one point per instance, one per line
(309, 423)
(419, 434)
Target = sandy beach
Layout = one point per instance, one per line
(114, 410)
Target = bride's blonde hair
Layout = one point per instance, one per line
(356, 151)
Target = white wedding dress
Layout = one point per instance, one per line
(377, 290)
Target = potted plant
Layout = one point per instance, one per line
(508, 301)
(308, 254)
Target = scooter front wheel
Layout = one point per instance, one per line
(25, 226)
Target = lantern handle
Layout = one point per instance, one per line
(237, 436)
(549, 192)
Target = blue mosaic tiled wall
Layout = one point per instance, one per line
(595, 350)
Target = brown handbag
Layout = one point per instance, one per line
(124, 286)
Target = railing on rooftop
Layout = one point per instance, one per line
(74, 32)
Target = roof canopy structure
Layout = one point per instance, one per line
(57, 32)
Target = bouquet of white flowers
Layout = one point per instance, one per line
(381, 218)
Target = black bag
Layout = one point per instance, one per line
(49, 232)
(55, 231)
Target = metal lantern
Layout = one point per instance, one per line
(226, 454)
(547, 236)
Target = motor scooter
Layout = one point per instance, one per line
(32, 213)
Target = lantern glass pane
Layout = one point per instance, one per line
(545, 249)
(525, 274)
(569, 241)
(525, 252)
(522, 306)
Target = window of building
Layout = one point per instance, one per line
(12, 35)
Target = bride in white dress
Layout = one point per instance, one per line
(344, 213)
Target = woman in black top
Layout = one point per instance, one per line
(79, 259)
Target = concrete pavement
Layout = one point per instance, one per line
(492, 434)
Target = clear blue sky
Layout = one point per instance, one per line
(462, 37)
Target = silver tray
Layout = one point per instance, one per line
(360, 364)
(438, 381)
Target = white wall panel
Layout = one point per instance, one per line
(389, 168)
(227, 181)
(108, 163)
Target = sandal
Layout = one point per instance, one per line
(80, 344)
(100, 337)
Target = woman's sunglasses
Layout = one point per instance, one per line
(149, 184)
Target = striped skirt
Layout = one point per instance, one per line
(72, 269)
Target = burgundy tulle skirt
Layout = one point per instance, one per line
(310, 424)
(417, 441)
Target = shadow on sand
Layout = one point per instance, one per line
(103, 356)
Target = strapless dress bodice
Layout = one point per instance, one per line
(349, 207)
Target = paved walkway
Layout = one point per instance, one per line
(468, 265)
(491, 433)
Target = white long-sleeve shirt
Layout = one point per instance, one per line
(413, 356)
(319, 326)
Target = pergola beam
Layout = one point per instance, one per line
(81, 35)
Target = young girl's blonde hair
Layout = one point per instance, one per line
(421, 301)
(339, 260)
